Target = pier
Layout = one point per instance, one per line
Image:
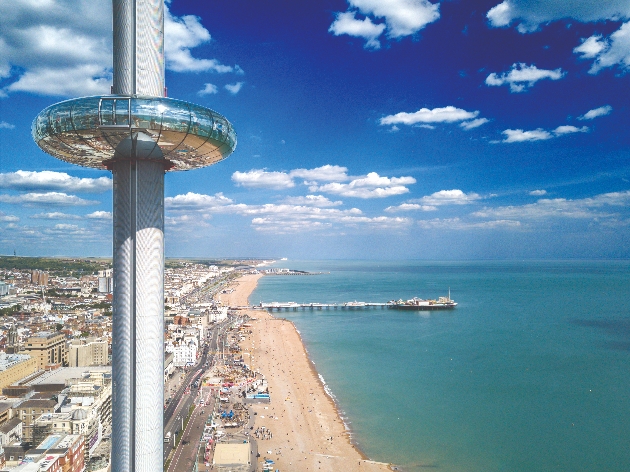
(292, 306)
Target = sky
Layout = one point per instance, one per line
(367, 129)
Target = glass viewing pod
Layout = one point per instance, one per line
(86, 131)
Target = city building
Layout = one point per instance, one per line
(56, 453)
(14, 367)
(105, 281)
(39, 277)
(85, 354)
(11, 432)
(28, 411)
(48, 348)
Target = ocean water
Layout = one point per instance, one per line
(531, 372)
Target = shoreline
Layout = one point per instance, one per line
(309, 415)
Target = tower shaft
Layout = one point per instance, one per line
(138, 310)
(138, 27)
(138, 221)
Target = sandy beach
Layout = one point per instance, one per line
(306, 430)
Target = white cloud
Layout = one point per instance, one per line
(326, 173)
(538, 193)
(312, 200)
(449, 114)
(49, 180)
(460, 225)
(99, 215)
(401, 18)
(260, 178)
(519, 136)
(208, 89)
(346, 23)
(195, 201)
(410, 207)
(64, 47)
(568, 129)
(585, 208)
(596, 112)
(607, 52)
(531, 14)
(4, 218)
(234, 88)
(473, 123)
(5, 125)
(448, 197)
(370, 186)
(55, 215)
(539, 134)
(521, 76)
(591, 47)
(287, 217)
(49, 198)
(181, 34)
(83, 79)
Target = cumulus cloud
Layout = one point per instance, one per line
(539, 134)
(346, 23)
(531, 14)
(400, 18)
(195, 201)
(4, 218)
(410, 207)
(473, 123)
(521, 76)
(448, 197)
(585, 208)
(538, 193)
(234, 88)
(99, 215)
(260, 178)
(65, 48)
(607, 52)
(519, 136)
(326, 173)
(181, 34)
(62, 49)
(5, 125)
(596, 112)
(370, 186)
(296, 214)
(49, 180)
(55, 215)
(449, 114)
(568, 129)
(312, 200)
(48, 199)
(460, 225)
(208, 89)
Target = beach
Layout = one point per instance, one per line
(307, 432)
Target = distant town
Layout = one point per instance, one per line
(56, 350)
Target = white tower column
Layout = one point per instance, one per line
(138, 214)
(138, 312)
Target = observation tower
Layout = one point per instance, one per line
(138, 134)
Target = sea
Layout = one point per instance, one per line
(530, 372)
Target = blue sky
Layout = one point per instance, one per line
(366, 128)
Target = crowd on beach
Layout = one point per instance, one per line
(263, 433)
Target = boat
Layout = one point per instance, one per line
(418, 304)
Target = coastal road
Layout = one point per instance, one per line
(177, 410)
